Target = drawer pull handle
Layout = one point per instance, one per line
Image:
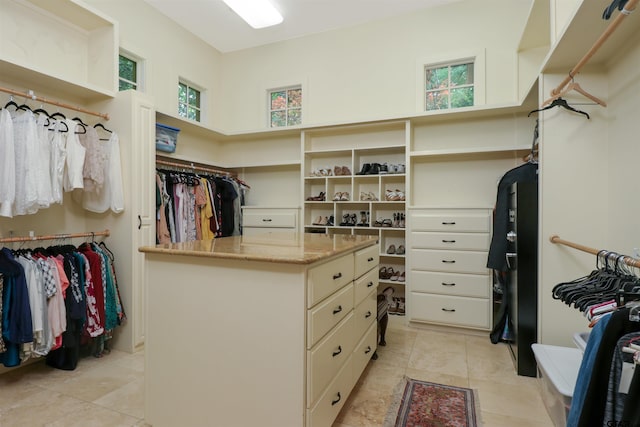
(448, 284)
(337, 310)
(366, 316)
(448, 261)
(448, 241)
(368, 350)
(335, 353)
(337, 276)
(370, 284)
(449, 310)
(266, 219)
(333, 402)
(448, 223)
(369, 259)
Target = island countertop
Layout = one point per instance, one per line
(284, 247)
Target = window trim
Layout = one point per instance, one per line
(140, 69)
(269, 110)
(477, 57)
(200, 107)
(449, 88)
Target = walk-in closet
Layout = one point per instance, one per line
(196, 214)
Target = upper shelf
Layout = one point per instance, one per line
(585, 28)
(59, 43)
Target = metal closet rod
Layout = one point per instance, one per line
(54, 236)
(626, 11)
(193, 167)
(634, 262)
(32, 96)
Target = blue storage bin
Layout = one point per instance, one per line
(166, 138)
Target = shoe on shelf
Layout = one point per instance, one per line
(345, 220)
(401, 222)
(353, 220)
(395, 276)
(344, 196)
(391, 249)
(401, 168)
(400, 250)
(401, 307)
(346, 171)
(330, 221)
(318, 221)
(337, 170)
(382, 273)
(318, 198)
(401, 277)
(384, 169)
(375, 169)
(393, 306)
(363, 219)
(365, 169)
(337, 196)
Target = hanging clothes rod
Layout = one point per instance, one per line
(192, 167)
(626, 11)
(32, 96)
(54, 236)
(634, 262)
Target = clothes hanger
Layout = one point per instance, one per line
(575, 86)
(559, 102)
(58, 114)
(619, 4)
(82, 125)
(10, 103)
(100, 125)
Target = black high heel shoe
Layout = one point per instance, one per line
(365, 169)
(345, 220)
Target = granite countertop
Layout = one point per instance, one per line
(277, 247)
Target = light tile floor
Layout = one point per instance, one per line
(109, 391)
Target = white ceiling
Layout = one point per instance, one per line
(215, 23)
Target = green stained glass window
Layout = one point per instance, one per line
(449, 86)
(285, 107)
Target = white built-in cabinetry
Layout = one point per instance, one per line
(257, 220)
(34, 35)
(351, 195)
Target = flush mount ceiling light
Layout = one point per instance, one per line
(257, 13)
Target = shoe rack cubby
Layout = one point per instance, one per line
(335, 167)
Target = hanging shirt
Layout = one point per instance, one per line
(43, 163)
(75, 158)
(25, 146)
(58, 160)
(7, 165)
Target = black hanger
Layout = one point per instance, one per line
(66, 128)
(24, 107)
(559, 102)
(58, 114)
(100, 125)
(82, 125)
(43, 111)
(10, 103)
(615, 4)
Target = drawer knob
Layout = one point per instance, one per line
(448, 241)
(370, 284)
(335, 353)
(448, 223)
(337, 310)
(449, 310)
(366, 316)
(448, 284)
(266, 219)
(337, 276)
(368, 350)
(448, 261)
(369, 259)
(333, 402)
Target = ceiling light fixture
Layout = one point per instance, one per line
(257, 13)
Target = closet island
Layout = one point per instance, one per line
(270, 329)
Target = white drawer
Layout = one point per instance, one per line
(269, 218)
(325, 411)
(363, 352)
(456, 220)
(366, 259)
(326, 358)
(325, 279)
(364, 314)
(451, 310)
(324, 316)
(468, 285)
(451, 261)
(364, 285)
(456, 241)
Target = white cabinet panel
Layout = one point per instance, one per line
(451, 310)
(435, 282)
(451, 261)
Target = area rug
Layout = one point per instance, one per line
(423, 404)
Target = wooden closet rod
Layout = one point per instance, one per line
(627, 259)
(54, 236)
(31, 95)
(628, 8)
(192, 167)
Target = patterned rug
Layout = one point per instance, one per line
(424, 404)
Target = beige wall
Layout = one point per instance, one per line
(361, 73)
